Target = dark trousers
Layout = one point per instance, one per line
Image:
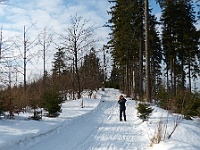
(120, 114)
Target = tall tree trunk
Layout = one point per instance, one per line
(141, 66)
(189, 77)
(77, 71)
(183, 76)
(127, 80)
(24, 59)
(171, 75)
(167, 76)
(148, 82)
(141, 48)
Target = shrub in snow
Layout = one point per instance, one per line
(162, 131)
(194, 109)
(144, 111)
(184, 103)
(157, 137)
(52, 103)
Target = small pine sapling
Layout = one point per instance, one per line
(144, 111)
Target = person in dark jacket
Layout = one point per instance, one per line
(122, 107)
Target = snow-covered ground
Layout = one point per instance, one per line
(97, 127)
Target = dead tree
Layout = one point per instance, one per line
(76, 40)
(45, 40)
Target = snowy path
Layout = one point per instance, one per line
(98, 129)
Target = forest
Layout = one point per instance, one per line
(162, 65)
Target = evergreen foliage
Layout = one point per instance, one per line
(144, 111)
(178, 54)
(59, 61)
(156, 56)
(125, 26)
(115, 76)
(180, 43)
(52, 103)
(186, 103)
(127, 42)
(91, 73)
(194, 108)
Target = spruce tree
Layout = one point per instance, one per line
(59, 61)
(144, 111)
(156, 56)
(126, 39)
(91, 76)
(127, 42)
(179, 42)
(52, 103)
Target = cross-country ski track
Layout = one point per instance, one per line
(99, 129)
(96, 126)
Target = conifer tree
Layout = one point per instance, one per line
(127, 42)
(179, 42)
(59, 61)
(52, 103)
(125, 25)
(156, 56)
(91, 75)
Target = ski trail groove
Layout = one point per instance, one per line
(100, 129)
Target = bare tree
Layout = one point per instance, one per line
(6, 54)
(28, 45)
(77, 39)
(8, 73)
(45, 40)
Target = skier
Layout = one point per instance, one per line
(122, 107)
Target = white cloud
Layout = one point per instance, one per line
(54, 13)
